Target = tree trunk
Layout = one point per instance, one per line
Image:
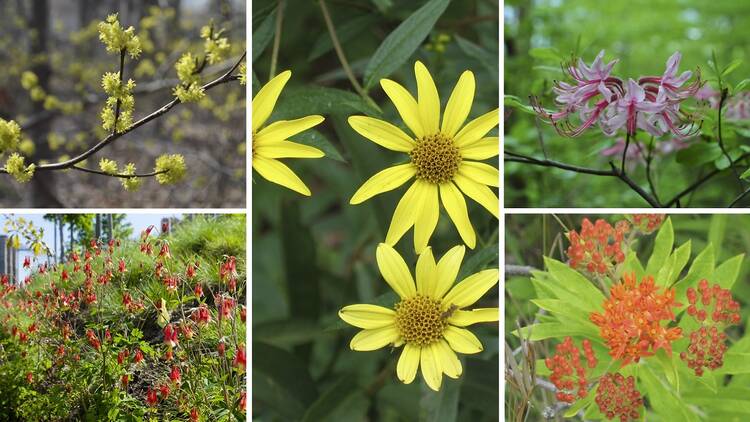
(43, 191)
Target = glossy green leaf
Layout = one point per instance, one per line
(263, 35)
(486, 58)
(662, 248)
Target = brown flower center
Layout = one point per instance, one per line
(420, 320)
(436, 158)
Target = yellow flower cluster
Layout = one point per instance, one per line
(10, 134)
(16, 167)
(120, 95)
(173, 168)
(117, 39)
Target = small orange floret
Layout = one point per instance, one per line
(631, 324)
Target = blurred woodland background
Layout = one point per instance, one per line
(58, 41)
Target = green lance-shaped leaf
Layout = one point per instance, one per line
(662, 248)
(400, 44)
(263, 35)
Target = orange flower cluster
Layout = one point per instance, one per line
(707, 344)
(648, 223)
(598, 248)
(631, 323)
(617, 397)
(567, 370)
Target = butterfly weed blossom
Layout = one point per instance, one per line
(597, 249)
(595, 96)
(568, 371)
(618, 398)
(444, 158)
(429, 318)
(271, 142)
(631, 324)
(714, 309)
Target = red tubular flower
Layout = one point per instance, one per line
(170, 335)
(175, 375)
(164, 252)
(648, 223)
(190, 271)
(122, 266)
(164, 390)
(618, 397)
(631, 323)
(598, 248)
(201, 315)
(29, 377)
(243, 313)
(27, 262)
(64, 275)
(221, 348)
(151, 397)
(239, 358)
(138, 356)
(93, 339)
(124, 380)
(194, 415)
(243, 400)
(707, 344)
(225, 305)
(568, 375)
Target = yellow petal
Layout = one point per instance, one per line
(428, 100)
(432, 372)
(480, 172)
(384, 181)
(426, 272)
(448, 360)
(477, 128)
(367, 316)
(406, 212)
(408, 363)
(277, 172)
(464, 318)
(394, 271)
(405, 104)
(283, 129)
(478, 192)
(482, 149)
(462, 340)
(382, 133)
(367, 340)
(455, 206)
(447, 270)
(265, 99)
(427, 220)
(470, 289)
(459, 104)
(287, 149)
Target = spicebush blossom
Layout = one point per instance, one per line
(174, 165)
(652, 103)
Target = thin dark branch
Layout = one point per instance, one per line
(614, 172)
(625, 153)
(226, 77)
(720, 138)
(698, 183)
(121, 74)
(121, 175)
(739, 198)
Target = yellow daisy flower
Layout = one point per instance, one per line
(430, 317)
(272, 142)
(439, 153)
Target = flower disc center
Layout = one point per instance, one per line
(420, 320)
(436, 158)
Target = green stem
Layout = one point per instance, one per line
(276, 38)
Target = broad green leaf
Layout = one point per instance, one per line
(662, 248)
(662, 398)
(734, 64)
(745, 174)
(560, 307)
(549, 54)
(287, 332)
(741, 87)
(281, 381)
(735, 363)
(580, 404)
(443, 405)
(688, 375)
(400, 44)
(682, 255)
(549, 288)
(479, 261)
(726, 273)
(547, 330)
(331, 399)
(632, 265)
(515, 102)
(716, 231)
(487, 59)
(308, 100)
(316, 139)
(698, 154)
(667, 363)
(263, 35)
(663, 274)
(703, 267)
(575, 282)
